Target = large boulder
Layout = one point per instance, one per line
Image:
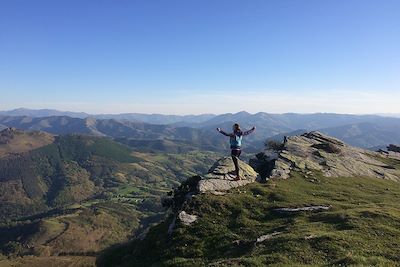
(220, 179)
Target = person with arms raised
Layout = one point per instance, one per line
(235, 139)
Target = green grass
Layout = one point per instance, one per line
(362, 227)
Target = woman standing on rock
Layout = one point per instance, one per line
(236, 144)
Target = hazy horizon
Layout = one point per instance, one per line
(197, 114)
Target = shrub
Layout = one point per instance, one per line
(274, 145)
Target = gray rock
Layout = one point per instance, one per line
(220, 179)
(266, 237)
(395, 155)
(308, 208)
(186, 218)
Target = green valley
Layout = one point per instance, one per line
(76, 195)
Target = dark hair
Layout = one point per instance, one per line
(236, 127)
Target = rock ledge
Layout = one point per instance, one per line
(219, 177)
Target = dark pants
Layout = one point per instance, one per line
(235, 153)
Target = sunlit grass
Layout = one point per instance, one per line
(362, 227)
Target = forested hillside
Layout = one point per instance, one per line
(75, 195)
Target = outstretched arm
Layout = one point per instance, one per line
(249, 131)
(222, 132)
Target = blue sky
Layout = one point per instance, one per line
(181, 57)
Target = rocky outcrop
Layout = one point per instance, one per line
(219, 177)
(218, 180)
(317, 152)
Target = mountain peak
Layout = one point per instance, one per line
(243, 112)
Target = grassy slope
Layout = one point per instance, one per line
(361, 228)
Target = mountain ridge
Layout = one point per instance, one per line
(363, 131)
(172, 119)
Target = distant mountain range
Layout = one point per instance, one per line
(42, 113)
(198, 131)
(393, 115)
(125, 132)
(135, 117)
